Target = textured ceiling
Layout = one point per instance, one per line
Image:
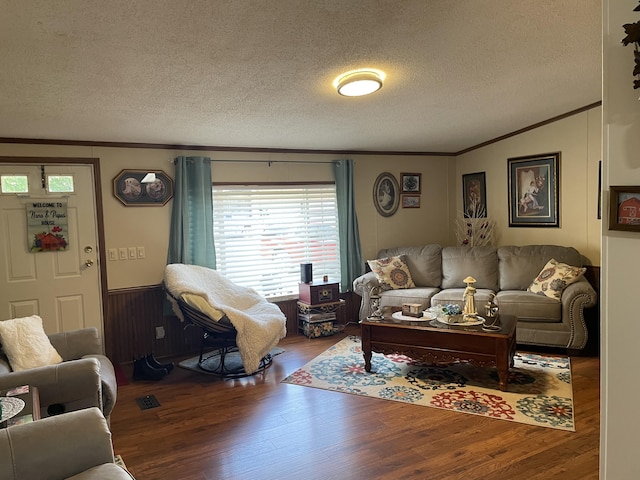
(259, 74)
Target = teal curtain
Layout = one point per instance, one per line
(351, 264)
(191, 234)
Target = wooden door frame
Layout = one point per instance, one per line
(97, 192)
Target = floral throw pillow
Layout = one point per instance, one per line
(392, 273)
(554, 278)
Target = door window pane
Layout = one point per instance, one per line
(60, 183)
(14, 183)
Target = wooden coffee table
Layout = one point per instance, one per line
(440, 344)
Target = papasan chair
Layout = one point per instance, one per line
(240, 327)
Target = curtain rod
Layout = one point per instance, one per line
(264, 161)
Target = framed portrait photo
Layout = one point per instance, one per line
(411, 182)
(474, 195)
(624, 208)
(386, 194)
(130, 189)
(534, 183)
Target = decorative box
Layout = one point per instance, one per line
(412, 309)
(316, 329)
(319, 292)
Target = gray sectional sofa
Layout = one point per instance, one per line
(506, 271)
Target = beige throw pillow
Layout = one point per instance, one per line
(25, 343)
(392, 273)
(554, 278)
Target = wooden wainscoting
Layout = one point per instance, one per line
(133, 314)
(130, 327)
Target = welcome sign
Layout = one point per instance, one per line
(47, 225)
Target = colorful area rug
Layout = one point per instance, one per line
(540, 391)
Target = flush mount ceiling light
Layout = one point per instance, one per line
(359, 82)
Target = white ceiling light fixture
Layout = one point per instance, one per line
(359, 82)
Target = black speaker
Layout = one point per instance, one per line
(306, 272)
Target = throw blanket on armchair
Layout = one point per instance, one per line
(260, 324)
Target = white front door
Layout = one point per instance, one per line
(63, 287)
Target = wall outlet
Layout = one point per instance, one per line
(159, 333)
(122, 253)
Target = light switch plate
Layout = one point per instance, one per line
(122, 253)
(113, 254)
(141, 252)
(132, 253)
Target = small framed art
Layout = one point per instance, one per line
(129, 188)
(534, 183)
(411, 182)
(410, 201)
(474, 195)
(624, 208)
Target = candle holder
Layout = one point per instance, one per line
(374, 303)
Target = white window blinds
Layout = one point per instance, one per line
(263, 233)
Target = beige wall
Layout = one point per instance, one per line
(578, 138)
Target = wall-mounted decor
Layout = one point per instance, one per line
(47, 224)
(410, 201)
(474, 195)
(534, 183)
(131, 191)
(411, 182)
(633, 38)
(624, 208)
(386, 194)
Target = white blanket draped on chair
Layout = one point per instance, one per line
(260, 324)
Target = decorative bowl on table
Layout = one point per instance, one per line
(451, 314)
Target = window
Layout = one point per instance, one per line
(60, 183)
(19, 183)
(263, 233)
(14, 183)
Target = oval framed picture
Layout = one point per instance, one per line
(386, 194)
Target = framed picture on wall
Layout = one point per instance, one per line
(624, 208)
(411, 182)
(410, 201)
(386, 194)
(474, 195)
(143, 188)
(534, 183)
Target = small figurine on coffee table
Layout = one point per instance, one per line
(469, 311)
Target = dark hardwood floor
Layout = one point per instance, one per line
(258, 428)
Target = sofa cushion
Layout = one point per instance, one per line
(479, 262)
(425, 263)
(529, 307)
(392, 272)
(25, 343)
(454, 297)
(518, 266)
(554, 278)
(396, 298)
